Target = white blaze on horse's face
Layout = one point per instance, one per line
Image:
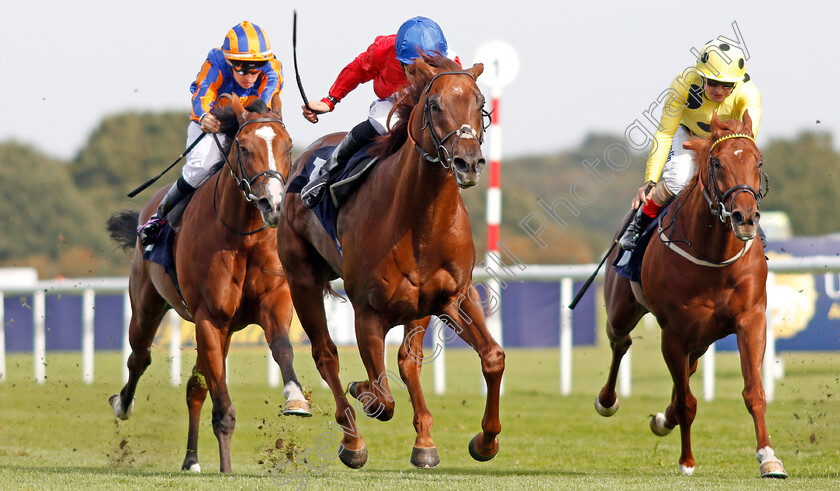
(274, 188)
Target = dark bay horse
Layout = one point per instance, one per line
(227, 268)
(406, 253)
(703, 277)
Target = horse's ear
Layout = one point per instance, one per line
(223, 100)
(476, 70)
(715, 126)
(277, 107)
(748, 126)
(240, 111)
(418, 71)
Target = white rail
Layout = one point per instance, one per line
(565, 274)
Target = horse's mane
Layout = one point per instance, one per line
(701, 146)
(407, 98)
(228, 122)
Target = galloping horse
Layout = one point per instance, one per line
(227, 268)
(703, 277)
(406, 253)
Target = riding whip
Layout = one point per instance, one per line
(294, 57)
(152, 180)
(589, 281)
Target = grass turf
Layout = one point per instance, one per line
(63, 434)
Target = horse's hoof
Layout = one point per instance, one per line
(657, 425)
(192, 468)
(477, 456)
(116, 403)
(297, 408)
(425, 458)
(605, 411)
(352, 389)
(353, 459)
(686, 471)
(772, 468)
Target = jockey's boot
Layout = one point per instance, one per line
(634, 230)
(313, 192)
(149, 232)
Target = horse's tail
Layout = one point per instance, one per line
(122, 226)
(329, 291)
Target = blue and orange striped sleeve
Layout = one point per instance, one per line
(205, 89)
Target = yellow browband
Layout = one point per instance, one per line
(734, 135)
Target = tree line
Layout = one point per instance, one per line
(52, 212)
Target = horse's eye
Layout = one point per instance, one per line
(716, 164)
(433, 105)
(760, 163)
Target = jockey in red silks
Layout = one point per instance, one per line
(245, 67)
(719, 83)
(383, 62)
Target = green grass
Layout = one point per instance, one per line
(63, 434)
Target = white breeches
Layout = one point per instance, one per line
(202, 157)
(680, 165)
(378, 115)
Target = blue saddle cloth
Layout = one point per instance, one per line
(161, 251)
(341, 188)
(629, 263)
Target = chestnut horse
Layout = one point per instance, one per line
(406, 253)
(227, 268)
(703, 277)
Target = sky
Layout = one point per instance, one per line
(584, 66)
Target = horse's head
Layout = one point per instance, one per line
(729, 173)
(260, 156)
(452, 117)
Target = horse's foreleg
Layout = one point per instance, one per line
(466, 316)
(424, 454)
(147, 310)
(684, 404)
(275, 318)
(309, 304)
(375, 393)
(751, 334)
(212, 342)
(196, 393)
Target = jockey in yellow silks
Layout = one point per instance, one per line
(719, 83)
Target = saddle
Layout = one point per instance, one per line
(340, 185)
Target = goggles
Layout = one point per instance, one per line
(246, 67)
(717, 83)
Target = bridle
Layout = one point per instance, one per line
(245, 183)
(717, 200)
(717, 207)
(444, 155)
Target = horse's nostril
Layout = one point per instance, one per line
(737, 218)
(460, 164)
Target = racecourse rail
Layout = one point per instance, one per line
(564, 274)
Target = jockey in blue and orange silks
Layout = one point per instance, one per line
(719, 83)
(245, 67)
(383, 62)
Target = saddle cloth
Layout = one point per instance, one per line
(343, 185)
(629, 263)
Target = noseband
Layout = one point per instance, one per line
(717, 199)
(444, 155)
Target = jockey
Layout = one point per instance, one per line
(245, 67)
(384, 62)
(718, 83)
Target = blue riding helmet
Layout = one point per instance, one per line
(417, 36)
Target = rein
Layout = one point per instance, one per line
(444, 155)
(245, 182)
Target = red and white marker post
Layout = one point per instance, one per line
(501, 66)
